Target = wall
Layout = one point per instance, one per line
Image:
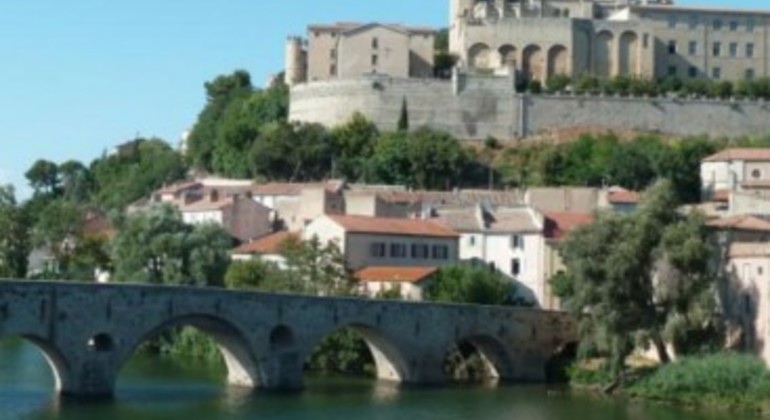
(358, 251)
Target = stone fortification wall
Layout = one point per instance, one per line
(477, 107)
(481, 107)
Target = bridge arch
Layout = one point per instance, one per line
(242, 366)
(57, 361)
(389, 360)
(495, 359)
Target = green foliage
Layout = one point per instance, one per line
(535, 86)
(15, 243)
(43, 177)
(122, 178)
(343, 352)
(557, 83)
(251, 274)
(470, 284)
(587, 84)
(57, 230)
(724, 378)
(314, 268)
(403, 117)
(353, 143)
(641, 277)
(292, 152)
(157, 247)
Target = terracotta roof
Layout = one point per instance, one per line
(559, 225)
(269, 244)
(623, 196)
(395, 274)
(740, 154)
(391, 226)
(749, 249)
(746, 222)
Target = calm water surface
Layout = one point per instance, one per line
(151, 388)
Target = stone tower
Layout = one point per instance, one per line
(296, 61)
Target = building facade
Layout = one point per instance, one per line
(648, 38)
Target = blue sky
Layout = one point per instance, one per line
(80, 76)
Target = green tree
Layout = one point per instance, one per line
(76, 182)
(403, 117)
(315, 268)
(43, 177)
(58, 230)
(620, 292)
(353, 145)
(470, 284)
(157, 247)
(15, 244)
(249, 275)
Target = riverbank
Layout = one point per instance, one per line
(722, 381)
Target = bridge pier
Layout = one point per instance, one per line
(283, 372)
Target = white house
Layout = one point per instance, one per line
(409, 282)
(735, 170)
(508, 239)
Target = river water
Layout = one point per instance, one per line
(158, 388)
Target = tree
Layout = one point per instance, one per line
(157, 247)
(58, 230)
(43, 177)
(14, 236)
(636, 277)
(470, 284)
(403, 117)
(249, 275)
(315, 268)
(76, 183)
(353, 144)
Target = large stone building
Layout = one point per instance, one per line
(349, 50)
(649, 38)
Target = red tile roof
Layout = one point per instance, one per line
(559, 225)
(269, 244)
(623, 196)
(392, 226)
(749, 223)
(395, 274)
(749, 154)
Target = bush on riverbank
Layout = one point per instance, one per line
(722, 379)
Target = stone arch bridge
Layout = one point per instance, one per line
(88, 332)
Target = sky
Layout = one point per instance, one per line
(78, 77)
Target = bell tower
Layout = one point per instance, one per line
(459, 12)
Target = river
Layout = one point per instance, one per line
(159, 388)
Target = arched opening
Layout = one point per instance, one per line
(508, 56)
(193, 348)
(357, 350)
(628, 61)
(281, 338)
(478, 358)
(558, 60)
(33, 363)
(533, 62)
(603, 54)
(480, 57)
(100, 343)
(557, 366)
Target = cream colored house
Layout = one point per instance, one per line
(383, 242)
(734, 170)
(409, 282)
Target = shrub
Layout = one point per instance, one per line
(535, 86)
(557, 83)
(587, 83)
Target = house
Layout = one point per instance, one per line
(557, 227)
(266, 248)
(735, 170)
(242, 217)
(507, 239)
(622, 200)
(386, 242)
(296, 204)
(409, 282)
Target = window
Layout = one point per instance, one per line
(672, 47)
(716, 73)
(333, 70)
(472, 240)
(750, 25)
(517, 242)
(378, 250)
(375, 43)
(398, 250)
(717, 24)
(440, 252)
(672, 70)
(565, 13)
(333, 53)
(733, 26)
(749, 74)
(693, 21)
(672, 21)
(646, 41)
(750, 50)
(420, 251)
(716, 50)
(692, 72)
(515, 267)
(374, 59)
(760, 271)
(692, 48)
(733, 49)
